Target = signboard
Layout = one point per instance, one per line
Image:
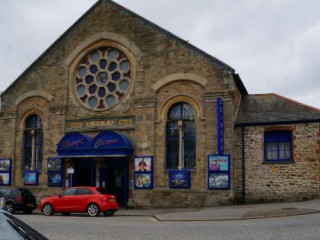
(143, 172)
(220, 125)
(219, 172)
(179, 179)
(5, 172)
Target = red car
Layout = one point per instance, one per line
(92, 200)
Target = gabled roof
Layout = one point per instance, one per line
(269, 109)
(144, 21)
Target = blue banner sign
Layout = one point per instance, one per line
(220, 125)
(179, 179)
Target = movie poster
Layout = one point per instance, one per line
(5, 165)
(4, 178)
(218, 163)
(219, 181)
(142, 164)
(143, 181)
(30, 178)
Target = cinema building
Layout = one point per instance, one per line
(119, 102)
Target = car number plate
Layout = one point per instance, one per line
(112, 200)
(30, 205)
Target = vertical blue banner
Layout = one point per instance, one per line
(220, 125)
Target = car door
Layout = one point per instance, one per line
(65, 201)
(82, 199)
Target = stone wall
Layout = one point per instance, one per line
(279, 181)
(46, 88)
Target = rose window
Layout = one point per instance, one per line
(103, 78)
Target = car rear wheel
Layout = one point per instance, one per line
(108, 213)
(48, 209)
(10, 207)
(93, 210)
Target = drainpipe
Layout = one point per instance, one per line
(243, 166)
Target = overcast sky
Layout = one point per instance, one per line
(273, 44)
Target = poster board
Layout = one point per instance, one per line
(55, 172)
(143, 172)
(219, 172)
(5, 172)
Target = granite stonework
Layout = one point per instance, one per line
(286, 181)
(165, 70)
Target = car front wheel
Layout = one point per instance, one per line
(93, 210)
(47, 209)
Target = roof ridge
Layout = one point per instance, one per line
(296, 102)
(171, 35)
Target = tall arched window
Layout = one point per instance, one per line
(181, 137)
(33, 143)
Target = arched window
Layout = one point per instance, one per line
(33, 143)
(181, 137)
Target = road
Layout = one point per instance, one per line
(78, 227)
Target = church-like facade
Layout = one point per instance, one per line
(119, 102)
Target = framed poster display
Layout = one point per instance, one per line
(143, 164)
(143, 181)
(55, 172)
(5, 172)
(143, 172)
(219, 172)
(179, 179)
(30, 178)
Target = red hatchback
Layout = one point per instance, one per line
(92, 200)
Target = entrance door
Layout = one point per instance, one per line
(116, 183)
(84, 173)
(114, 178)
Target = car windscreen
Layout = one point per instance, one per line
(102, 191)
(23, 229)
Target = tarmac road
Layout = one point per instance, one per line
(300, 220)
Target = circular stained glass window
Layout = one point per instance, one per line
(102, 78)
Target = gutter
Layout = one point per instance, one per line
(243, 166)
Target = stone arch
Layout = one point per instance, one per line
(31, 112)
(179, 76)
(181, 98)
(103, 38)
(35, 93)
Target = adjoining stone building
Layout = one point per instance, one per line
(119, 102)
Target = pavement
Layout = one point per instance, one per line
(225, 213)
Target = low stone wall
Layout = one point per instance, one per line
(175, 198)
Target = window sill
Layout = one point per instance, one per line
(278, 162)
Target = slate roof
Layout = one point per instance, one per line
(269, 109)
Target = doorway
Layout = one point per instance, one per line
(84, 173)
(114, 178)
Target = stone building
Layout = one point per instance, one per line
(119, 102)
